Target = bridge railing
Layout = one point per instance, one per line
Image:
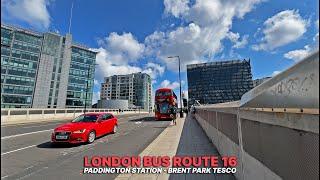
(11, 115)
(274, 145)
(274, 129)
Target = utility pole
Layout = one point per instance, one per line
(181, 113)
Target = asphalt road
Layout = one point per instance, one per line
(26, 151)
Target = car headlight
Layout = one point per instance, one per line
(80, 131)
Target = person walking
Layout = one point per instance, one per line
(174, 115)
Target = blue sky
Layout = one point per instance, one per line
(138, 35)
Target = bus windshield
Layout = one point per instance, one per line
(163, 93)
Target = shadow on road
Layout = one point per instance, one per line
(146, 119)
(50, 145)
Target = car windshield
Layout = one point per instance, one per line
(163, 93)
(86, 118)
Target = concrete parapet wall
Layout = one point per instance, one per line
(269, 145)
(15, 116)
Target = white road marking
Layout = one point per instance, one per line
(40, 125)
(33, 172)
(18, 150)
(17, 135)
(4, 177)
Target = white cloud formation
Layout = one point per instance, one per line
(34, 12)
(235, 39)
(176, 7)
(274, 73)
(208, 22)
(316, 37)
(106, 66)
(122, 48)
(167, 84)
(298, 54)
(283, 28)
(154, 70)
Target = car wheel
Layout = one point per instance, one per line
(115, 129)
(91, 137)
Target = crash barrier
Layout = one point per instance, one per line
(274, 129)
(34, 115)
(268, 145)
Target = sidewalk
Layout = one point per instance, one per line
(194, 142)
(166, 144)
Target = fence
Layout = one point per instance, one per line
(31, 115)
(273, 145)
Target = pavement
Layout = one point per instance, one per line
(26, 151)
(195, 142)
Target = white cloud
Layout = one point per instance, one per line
(208, 22)
(176, 7)
(122, 48)
(316, 37)
(275, 73)
(34, 12)
(106, 66)
(298, 54)
(283, 28)
(167, 84)
(154, 70)
(235, 38)
(95, 97)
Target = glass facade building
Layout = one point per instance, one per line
(43, 70)
(218, 82)
(81, 72)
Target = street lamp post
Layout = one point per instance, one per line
(181, 113)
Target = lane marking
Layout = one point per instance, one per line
(40, 125)
(17, 135)
(4, 176)
(18, 150)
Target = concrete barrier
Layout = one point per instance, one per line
(14, 116)
(268, 144)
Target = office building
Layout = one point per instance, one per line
(218, 82)
(44, 70)
(257, 82)
(136, 88)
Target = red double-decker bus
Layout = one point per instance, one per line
(165, 101)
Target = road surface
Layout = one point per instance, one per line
(26, 151)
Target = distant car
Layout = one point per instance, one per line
(85, 128)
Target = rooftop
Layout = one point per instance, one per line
(191, 66)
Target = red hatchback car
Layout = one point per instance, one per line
(85, 128)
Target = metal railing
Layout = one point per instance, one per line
(36, 115)
(29, 111)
